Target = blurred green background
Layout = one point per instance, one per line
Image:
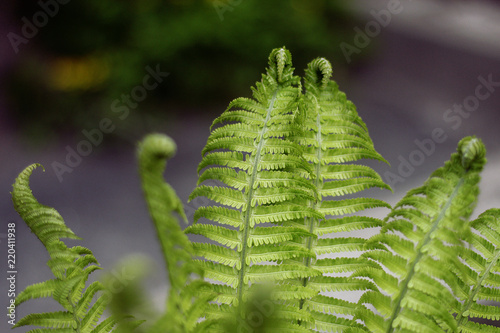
(93, 51)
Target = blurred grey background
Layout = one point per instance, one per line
(409, 67)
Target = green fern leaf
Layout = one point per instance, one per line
(330, 323)
(61, 319)
(277, 253)
(37, 290)
(484, 273)
(265, 180)
(222, 195)
(347, 223)
(183, 303)
(218, 234)
(222, 215)
(105, 326)
(325, 304)
(70, 266)
(45, 222)
(83, 304)
(332, 134)
(420, 240)
(263, 273)
(350, 206)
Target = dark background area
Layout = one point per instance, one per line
(404, 78)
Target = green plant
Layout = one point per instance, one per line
(71, 268)
(280, 169)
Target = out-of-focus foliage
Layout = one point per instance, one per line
(91, 52)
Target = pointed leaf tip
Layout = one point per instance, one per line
(21, 184)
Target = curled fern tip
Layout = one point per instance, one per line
(322, 68)
(281, 58)
(472, 152)
(158, 145)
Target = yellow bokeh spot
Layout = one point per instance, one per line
(70, 74)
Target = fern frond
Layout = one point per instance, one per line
(90, 319)
(70, 266)
(227, 176)
(105, 326)
(265, 179)
(183, 303)
(335, 284)
(332, 134)
(45, 222)
(484, 273)
(420, 274)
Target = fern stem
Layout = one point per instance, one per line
(248, 213)
(317, 185)
(411, 270)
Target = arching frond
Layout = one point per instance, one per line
(71, 267)
(183, 302)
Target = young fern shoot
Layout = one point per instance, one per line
(184, 306)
